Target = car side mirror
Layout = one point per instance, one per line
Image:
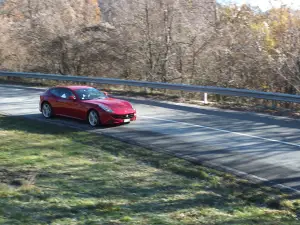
(73, 98)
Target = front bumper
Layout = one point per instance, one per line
(109, 118)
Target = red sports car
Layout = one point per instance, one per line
(86, 103)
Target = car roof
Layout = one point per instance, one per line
(73, 87)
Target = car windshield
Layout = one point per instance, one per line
(90, 93)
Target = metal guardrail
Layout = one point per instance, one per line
(157, 85)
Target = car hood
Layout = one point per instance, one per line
(117, 105)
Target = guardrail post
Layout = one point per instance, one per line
(205, 99)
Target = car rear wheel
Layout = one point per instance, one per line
(47, 110)
(93, 118)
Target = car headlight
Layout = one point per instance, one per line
(105, 108)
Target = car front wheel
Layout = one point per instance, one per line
(47, 110)
(93, 118)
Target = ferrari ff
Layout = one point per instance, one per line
(85, 103)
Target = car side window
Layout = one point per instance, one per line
(65, 93)
(61, 92)
(55, 92)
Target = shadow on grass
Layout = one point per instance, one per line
(18, 123)
(57, 125)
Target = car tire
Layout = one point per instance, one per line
(47, 110)
(93, 118)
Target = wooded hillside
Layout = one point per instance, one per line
(192, 42)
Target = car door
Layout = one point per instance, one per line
(67, 106)
(55, 101)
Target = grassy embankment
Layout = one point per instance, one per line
(55, 175)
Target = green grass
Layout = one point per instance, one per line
(55, 175)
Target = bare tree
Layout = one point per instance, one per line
(155, 40)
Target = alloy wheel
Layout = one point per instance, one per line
(93, 118)
(47, 110)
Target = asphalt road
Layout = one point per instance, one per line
(262, 146)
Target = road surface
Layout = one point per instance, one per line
(262, 146)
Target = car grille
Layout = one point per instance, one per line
(127, 116)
